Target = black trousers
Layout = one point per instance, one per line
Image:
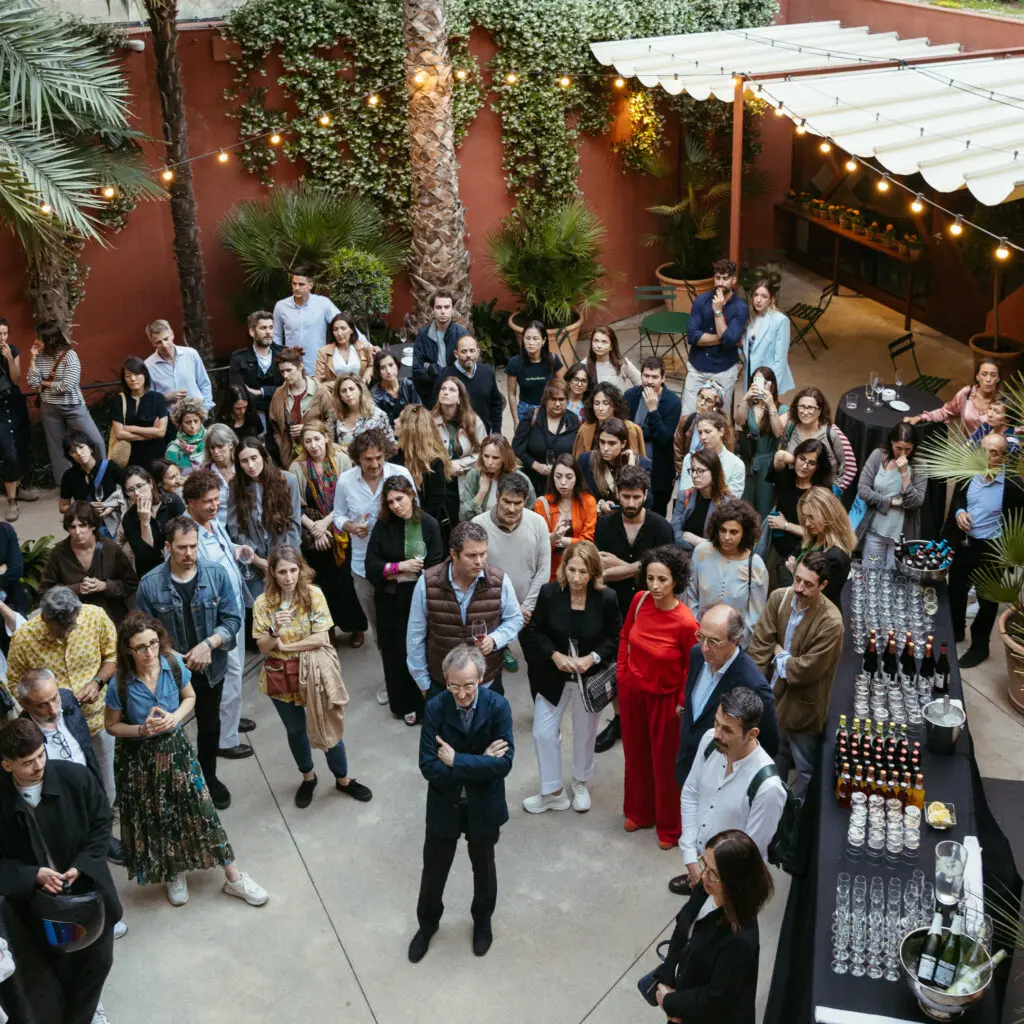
(438, 854)
(966, 561)
(207, 723)
(81, 976)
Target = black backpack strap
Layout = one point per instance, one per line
(175, 666)
(710, 749)
(755, 783)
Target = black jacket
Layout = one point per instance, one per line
(552, 625)
(659, 432)
(533, 442)
(1013, 500)
(482, 777)
(407, 395)
(742, 672)
(148, 558)
(387, 544)
(76, 724)
(425, 369)
(245, 372)
(74, 819)
(484, 393)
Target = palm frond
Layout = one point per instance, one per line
(952, 457)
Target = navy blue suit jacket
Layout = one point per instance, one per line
(742, 672)
(483, 777)
(74, 721)
(659, 431)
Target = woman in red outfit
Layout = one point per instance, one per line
(654, 656)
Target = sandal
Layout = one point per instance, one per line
(357, 639)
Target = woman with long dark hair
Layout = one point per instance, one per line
(600, 468)
(460, 429)
(578, 381)
(547, 432)
(422, 452)
(714, 433)
(762, 428)
(706, 492)
(235, 410)
(569, 510)
(710, 398)
(344, 352)
(141, 414)
(530, 370)
(606, 363)
(148, 512)
(391, 392)
(605, 403)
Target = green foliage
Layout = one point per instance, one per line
(35, 553)
(551, 259)
(358, 282)
(644, 149)
(1005, 220)
(498, 342)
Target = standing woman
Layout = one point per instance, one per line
(405, 540)
(354, 411)
(422, 452)
(141, 414)
(600, 468)
(546, 433)
(969, 404)
(391, 392)
(149, 511)
(529, 372)
(578, 380)
(288, 618)
(710, 398)
(724, 568)
(894, 491)
(574, 631)
(714, 433)
(569, 510)
(606, 362)
(264, 509)
(56, 374)
(460, 429)
(186, 450)
(694, 505)
(478, 489)
(762, 419)
(813, 421)
(15, 460)
(221, 442)
(168, 822)
(653, 660)
(344, 352)
(826, 528)
(766, 341)
(235, 411)
(605, 403)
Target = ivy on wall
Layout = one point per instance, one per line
(335, 52)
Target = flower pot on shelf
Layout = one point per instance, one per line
(1014, 652)
(1009, 356)
(681, 303)
(901, 248)
(567, 349)
(859, 229)
(914, 252)
(845, 223)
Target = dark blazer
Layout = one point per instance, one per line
(659, 431)
(245, 372)
(484, 393)
(533, 441)
(79, 728)
(387, 544)
(552, 625)
(482, 777)
(74, 819)
(425, 369)
(742, 672)
(148, 558)
(712, 968)
(586, 464)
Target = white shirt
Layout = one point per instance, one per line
(32, 795)
(796, 616)
(733, 469)
(69, 750)
(712, 801)
(353, 500)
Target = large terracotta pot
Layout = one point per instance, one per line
(567, 348)
(1014, 663)
(1009, 358)
(681, 303)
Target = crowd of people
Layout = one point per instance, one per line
(693, 549)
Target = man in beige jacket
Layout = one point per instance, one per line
(797, 644)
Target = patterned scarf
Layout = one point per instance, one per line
(321, 490)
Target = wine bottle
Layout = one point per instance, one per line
(856, 726)
(859, 785)
(871, 783)
(930, 950)
(890, 666)
(949, 955)
(942, 669)
(908, 663)
(844, 786)
(903, 746)
(871, 657)
(917, 793)
(973, 978)
(905, 789)
(927, 670)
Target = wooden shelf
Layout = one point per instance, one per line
(832, 227)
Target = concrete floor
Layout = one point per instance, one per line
(581, 903)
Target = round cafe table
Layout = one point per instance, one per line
(867, 427)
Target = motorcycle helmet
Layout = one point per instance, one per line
(70, 920)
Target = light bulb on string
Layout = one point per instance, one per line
(373, 100)
(918, 203)
(167, 174)
(565, 81)
(511, 78)
(825, 147)
(619, 83)
(222, 157)
(275, 139)
(46, 209)
(109, 192)
(779, 112)
(461, 74)
(851, 165)
(324, 119)
(1002, 250)
(957, 227)
(883, 184)
(801, 129)
(420, 77)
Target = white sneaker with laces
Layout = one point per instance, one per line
(100, 1016)
(246, 889)
(120, 930)
(540, 803)
(382, 698)
(177, 890)
(580, 797)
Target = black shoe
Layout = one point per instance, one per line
(220, 794)
(236, 753)
(354, 789)
(608, 735)
(419, 945)
(482, 938)
(246, 725)
(115, 852)
(680, 885)
(973, 656)
(304, 794)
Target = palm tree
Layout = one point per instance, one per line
(437, 217)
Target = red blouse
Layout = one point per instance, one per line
(654, 648)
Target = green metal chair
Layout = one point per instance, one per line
(810, 315)
(662, 322)
(924, 381)
(564, 347)
(762, 262)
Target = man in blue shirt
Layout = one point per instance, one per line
(176, 372)
(718, 321)
(303, 318)
(434, 347)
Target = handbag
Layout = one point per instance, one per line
(282, 676)
(598, 689)
(119, 451)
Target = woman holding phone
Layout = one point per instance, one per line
(759, 438)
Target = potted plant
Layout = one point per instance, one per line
(915, 247)
(551, 259)
(889, 236)
(857, 222)
(871, 231)
(845, 220)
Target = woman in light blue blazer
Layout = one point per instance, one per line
(766, 342)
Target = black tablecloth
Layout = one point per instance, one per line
(869, 430)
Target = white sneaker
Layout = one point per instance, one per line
(580, 797)
(539, 803)
(177, 890)
(120, 930)
(246, 889)
(100, 1016)
(382, 698)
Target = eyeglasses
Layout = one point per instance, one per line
(807, 460)
(153, 645)
(462, 687)
(711, 641)
(137, 489)
(712, 875)
(804, 407)
(63, 748)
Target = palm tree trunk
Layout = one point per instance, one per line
(162, 16)
(55, 277)
(437, 217)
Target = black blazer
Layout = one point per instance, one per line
(425, 369)
(74, 819)
(387, 544)
(550, 629)
(482, 777)
(245, 372)
(533, 441)
(76, 724)
(659, 432)
(742, 672)
(712, 968)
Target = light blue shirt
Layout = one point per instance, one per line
(187, 373)
(985, 506)
(706, 683)
(353, 500)
(305, 326)
(416, 632)
(796, 616)
(215, 545)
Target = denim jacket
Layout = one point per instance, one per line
(214, 610)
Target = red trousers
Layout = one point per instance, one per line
(650, 742)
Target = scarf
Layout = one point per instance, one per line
(321, 490)
(185, 450)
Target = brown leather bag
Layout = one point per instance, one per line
(282, 676)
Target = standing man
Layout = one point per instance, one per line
(201, 494)
(480, 382)
(254, 367)
(54, 831)
(718, 321)
(797, 644)
(300, 397)
(194, 600)
(518, 543)
(623, 537)
(461, 601)
(656, 410)
(466, 750)
(303, 318)
(176, 372)
(434, 347)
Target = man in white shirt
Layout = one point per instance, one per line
(176, 372)
(733, 782)
(303, 318)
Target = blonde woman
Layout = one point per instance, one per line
(766, 341)
(826, 529)
(478, 489)
(345, 352)
(354, 411)
(423, 453)
(460, 429)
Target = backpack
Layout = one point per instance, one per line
(782, 850)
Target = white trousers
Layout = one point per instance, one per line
(547, 722)
(367, 601)
(231, 695)
(696, 379)
(103, 748)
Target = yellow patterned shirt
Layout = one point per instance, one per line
(304, 624)
(73, 661)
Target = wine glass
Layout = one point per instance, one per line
(869, 394)
(898, 383)
(417, 549)
(245, 557)
(478, 628)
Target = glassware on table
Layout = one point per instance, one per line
(927, 903)
(979, 926)
(869, 395)
(898, 383)
(417, 549)
(852, 400)
(950, 862)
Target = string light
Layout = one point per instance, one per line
(779, 112)
(373, 100)
(511, 78)
(1002, 250)
(45, 208)
(109, 192)
(826, 147)
(565, 81)
(167, 174)
(801, 128)
(918, 204)
(883, 183)
(461, 74)
(275, 139)
(222, 157)
(619, 83)
(851, 165)
(324, 119)
(420, 77)
(957, 227)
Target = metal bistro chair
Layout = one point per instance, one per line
(924, 381)
(662, 323)
(810, 315)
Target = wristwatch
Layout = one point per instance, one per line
(99, 682)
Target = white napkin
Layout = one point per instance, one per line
(974, 890)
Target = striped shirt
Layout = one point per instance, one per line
(66, 389)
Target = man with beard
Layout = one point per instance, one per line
(622, 537)
(254, 367)
(479, 380)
